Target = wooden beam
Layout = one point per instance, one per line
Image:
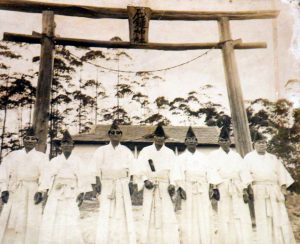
(119, 13)
(36, 39)
(41, 108)
(213, 15)
(235, 95)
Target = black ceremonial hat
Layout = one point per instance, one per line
(114, 126)
(224, 133)
(67, 137)
(159, 131)
(190, 133)
(258, 136)
(30, 131)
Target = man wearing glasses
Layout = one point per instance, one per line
(157, 168)
(270, 180)
(23, 192)
(113, 163)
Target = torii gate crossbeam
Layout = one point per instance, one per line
(120, 13)
(47, 40)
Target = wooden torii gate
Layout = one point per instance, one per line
(48, 40)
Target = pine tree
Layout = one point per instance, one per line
(122, 87)
(99, 89)
(6, 91)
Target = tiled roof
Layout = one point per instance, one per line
(138, 133)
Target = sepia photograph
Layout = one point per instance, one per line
(149, 121)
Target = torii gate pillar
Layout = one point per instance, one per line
(238, 113)
(43, 93)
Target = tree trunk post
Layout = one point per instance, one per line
(238, 113)
(41, 108)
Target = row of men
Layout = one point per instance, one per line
(26, 178)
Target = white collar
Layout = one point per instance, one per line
(190, 153)
(260, 155)
(114, 148)
(30, 152)
(161, 149)
(220, 149)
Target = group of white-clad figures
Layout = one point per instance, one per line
(27, 178)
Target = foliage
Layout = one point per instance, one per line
(161, 102)
(155, 119)
(123, 90)
(281, 123)
(116, 113)
(11, 94)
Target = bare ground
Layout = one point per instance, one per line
(89, 215)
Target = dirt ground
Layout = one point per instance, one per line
(89, 218)
(89, 215)
(293, 206)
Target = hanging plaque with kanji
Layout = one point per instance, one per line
(138, 24)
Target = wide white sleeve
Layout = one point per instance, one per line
(47, 170)
(138, 178)
(135, 167)
(245, 174)
(179, 167)
(213, 176)
(6, 170)
(130, 162)
(175, 173)
(3, 177)
(89, 167)
(247, 161)
(140, 166)
(284, 177)
(213, 168)
(96, 162)
(85, 176)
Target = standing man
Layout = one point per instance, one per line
(68, 179)
(23, 192)
(196, 217)
(113, 164)
(234, 221)
(157, 167)
(270, 180)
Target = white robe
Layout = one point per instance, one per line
(3, 178)
(234, 221)
(272, 222)
(68, 178)
(115, 222)
(159, 219)
(20, 218)
(196, 217)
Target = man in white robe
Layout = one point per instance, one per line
(23, 191)
(234, 221)
(270, 180)
(196, 216)
(113, 165)
(69, 179)
(157, 166)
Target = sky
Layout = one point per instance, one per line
(260, 76)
